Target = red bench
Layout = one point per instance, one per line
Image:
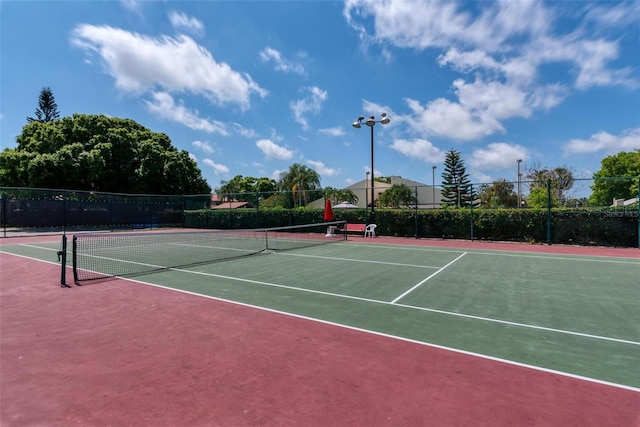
(359, 228)
(355, 228)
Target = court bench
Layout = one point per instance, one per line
(359, 228)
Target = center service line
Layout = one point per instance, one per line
(428, 277)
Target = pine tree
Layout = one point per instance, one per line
(456, 187)
(47, 110)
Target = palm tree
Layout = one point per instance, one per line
(299, 179)
(337, 195)
(396, 196)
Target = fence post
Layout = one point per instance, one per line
(4, 213)
(64, 212)
(416, 214)
(471, 212)
(257, 209)
(549, 211)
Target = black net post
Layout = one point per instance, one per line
(74, 258)
(62, 257)
(4, 213)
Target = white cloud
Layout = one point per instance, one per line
(277, 173)
(246, 132)
(203, 146)
(165, 107)
(322, 169)
(592, 58)
(132, 6)
(423, 25)
(621, 14)
(217, 168)
(193, 157)
(418, 148)
(452, 120)
(141, 63)
(310, 104)
(269, 54)
(274, 151)
(335, 131)
(502, 45)
(628, 140)
(481, 108)
(180, 21)
(498, 155)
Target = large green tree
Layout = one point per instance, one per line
(499, 194)
(245, 188)
(616, 179)
(456, 187)
(99, 153)
(47, 108)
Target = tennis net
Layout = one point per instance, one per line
(101, 255)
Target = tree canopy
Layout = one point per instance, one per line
(337, 195)
(398, 195)
(99, 153)
(47, 108)
(617, 178)
(499, 194)
(561, 180)
(245, 187)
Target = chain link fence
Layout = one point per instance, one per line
(603, 211)
(49, 210)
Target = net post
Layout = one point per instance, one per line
(549, 211)
(4, 213)
(74, 258)
(62, 257)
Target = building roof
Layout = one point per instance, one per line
(230, 205)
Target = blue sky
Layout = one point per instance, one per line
(251, 87)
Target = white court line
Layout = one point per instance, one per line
(381, 334)
(555, 257)
(426, 279)
(355, 260)
(431, 310)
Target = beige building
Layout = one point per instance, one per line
(428, 196)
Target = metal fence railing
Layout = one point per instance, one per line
(602, 211)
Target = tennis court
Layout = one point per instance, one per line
(574, 316)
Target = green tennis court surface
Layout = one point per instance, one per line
(577, 315)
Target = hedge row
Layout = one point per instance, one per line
(609, 227)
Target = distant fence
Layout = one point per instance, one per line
(538, 213)
(38, 210)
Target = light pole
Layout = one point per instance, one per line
(519, 197)
(366, 198)
(371, 122)
(433, 185)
